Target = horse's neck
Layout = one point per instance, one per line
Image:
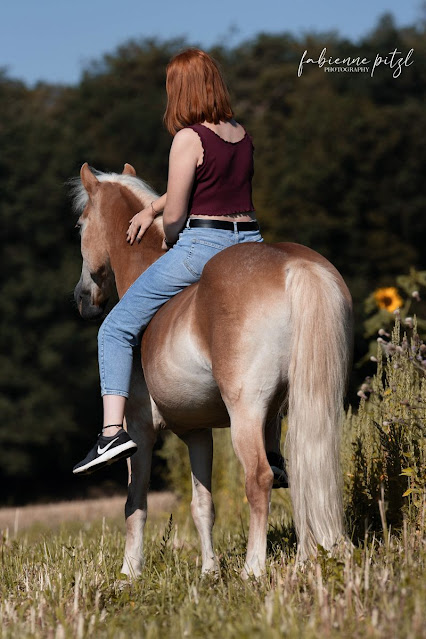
(129, 261)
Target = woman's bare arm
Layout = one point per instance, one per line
(184, 156)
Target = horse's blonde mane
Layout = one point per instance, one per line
(138, 187)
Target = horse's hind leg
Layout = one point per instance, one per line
(200, 448)
(247, 430)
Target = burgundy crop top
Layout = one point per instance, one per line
(222, 184)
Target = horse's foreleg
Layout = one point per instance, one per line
(248, 441)
(139, 466)
(200, 447)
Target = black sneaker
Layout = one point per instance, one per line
(106, 451)
(277, 464)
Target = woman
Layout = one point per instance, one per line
(207, 207)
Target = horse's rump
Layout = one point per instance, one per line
(228, 335)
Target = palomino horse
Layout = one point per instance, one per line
(267, 327)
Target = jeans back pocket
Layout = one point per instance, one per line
(199, 254)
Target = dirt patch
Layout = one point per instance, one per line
(16, 519)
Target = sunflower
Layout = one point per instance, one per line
(388, 298)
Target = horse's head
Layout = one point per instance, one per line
(104, 201)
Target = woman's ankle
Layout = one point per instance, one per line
(111, 430)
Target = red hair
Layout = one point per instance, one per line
(196, 91)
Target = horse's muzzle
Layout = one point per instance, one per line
(86, 308)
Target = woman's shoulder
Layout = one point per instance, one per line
(186, 136)
(186, 143)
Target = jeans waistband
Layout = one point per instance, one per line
(219, 224)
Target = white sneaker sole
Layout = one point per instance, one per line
(110, 456)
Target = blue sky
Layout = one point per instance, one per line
(53, 40)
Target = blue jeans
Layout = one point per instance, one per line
(181, 266)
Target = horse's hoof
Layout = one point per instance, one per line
(212, 572)
(129, 574)
(123, 581)
(250, 573)
(244, 575)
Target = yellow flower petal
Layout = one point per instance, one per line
(388, 298)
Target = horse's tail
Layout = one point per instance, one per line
(321, 319)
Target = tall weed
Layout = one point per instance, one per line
(384, 449)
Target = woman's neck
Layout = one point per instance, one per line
(230, 130)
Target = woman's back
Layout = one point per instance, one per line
(222, 184)
(229, 131)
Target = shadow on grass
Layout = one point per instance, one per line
(281, 539)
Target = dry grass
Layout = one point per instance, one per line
(55, 514)
(66, 584)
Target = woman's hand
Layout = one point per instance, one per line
(139, 224)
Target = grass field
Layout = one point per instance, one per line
(62, 580)
(88, 510)
(60, 564)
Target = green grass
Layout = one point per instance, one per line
(66, 583)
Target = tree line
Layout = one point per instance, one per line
(339, 163)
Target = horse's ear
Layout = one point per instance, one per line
(129, 170)
(89, 181)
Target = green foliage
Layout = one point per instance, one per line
(385, 441)
(381, 305)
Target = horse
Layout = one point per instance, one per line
(267, 329)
